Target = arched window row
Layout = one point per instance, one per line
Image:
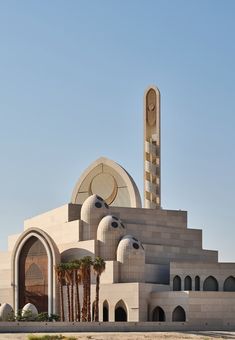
(121, 313)
(178, 314)
(209, 284)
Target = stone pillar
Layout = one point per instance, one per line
(152, 161)
(111, 312)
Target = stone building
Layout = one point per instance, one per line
(156, 268)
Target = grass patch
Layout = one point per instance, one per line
(50, 337)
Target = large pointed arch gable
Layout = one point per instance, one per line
(133, 192)
(53, 259)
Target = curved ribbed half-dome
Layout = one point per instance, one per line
(110, 181)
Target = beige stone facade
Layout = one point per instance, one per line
(156, 267)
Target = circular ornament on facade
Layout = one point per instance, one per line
(104, 185)
(98, 205)
(136, 246)
(114, 224)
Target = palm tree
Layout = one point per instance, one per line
(99, 268)
(60, 272)
(77, 276)
(67, 267)
(70, 271)
(86, 263)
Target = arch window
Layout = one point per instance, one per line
(105, 311)
(158, 314)
(33, 275)
(210, 284)
(93, 311)
(177, 283)
(229, 284)
(197, 283)
(187, 283)
(120, 311)
(179, 314)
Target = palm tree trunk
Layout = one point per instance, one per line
(61, 302)
(77, 297)
(72, 301)
(68, 301)
(89, 294)
(84, 306)
(97, 298)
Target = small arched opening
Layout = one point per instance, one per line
(93, 311)
(177, 283)
(210, 284)
(197, 283)
(120, 311)
(187, 283)
(158, 314)
(229, 284)
(105, 311)
(178, 314)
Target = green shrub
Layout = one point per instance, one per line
(45, 317)
(50, 337)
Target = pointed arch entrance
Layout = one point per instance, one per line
(105, 311)
(120, 311)
(33, 276)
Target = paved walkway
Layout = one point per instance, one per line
(136, 336)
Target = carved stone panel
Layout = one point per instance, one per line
(151, 107)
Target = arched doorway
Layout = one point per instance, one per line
(33, 275)
(177, 283)
(187, 283)
(120, 311)
(197, 283)
(158, 314)
(105, 311)
(210, 284)
(53, 258)
(229, 284)
(93, 311)
(178, 314)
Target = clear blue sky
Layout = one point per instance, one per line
(72, 78)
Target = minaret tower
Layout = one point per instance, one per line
(152, 160)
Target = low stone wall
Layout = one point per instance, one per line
(61, 327)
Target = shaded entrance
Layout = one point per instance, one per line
(105, 311)
(158, 314)
(178, 314)
(120, 311)
(33, 275)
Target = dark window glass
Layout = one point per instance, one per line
(114, 224)
(136, 246)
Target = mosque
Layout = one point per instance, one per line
(156, 268)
